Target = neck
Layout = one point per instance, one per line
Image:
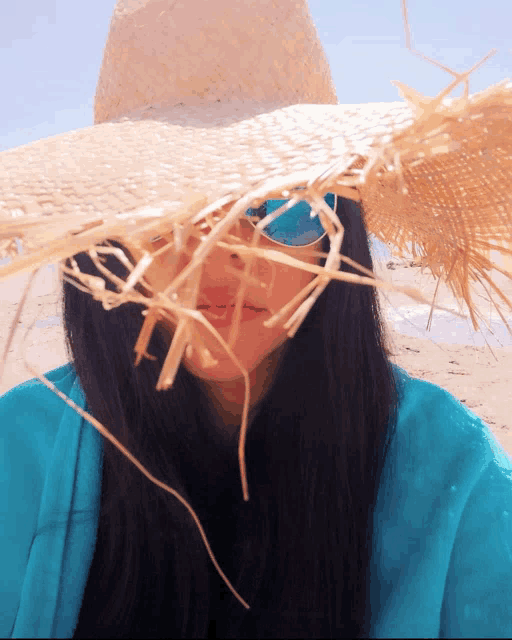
(226, 397)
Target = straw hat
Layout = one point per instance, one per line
(208, 106)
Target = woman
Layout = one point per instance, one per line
(379, 506)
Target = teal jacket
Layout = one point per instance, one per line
(442, 560)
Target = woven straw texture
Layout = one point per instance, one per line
(440, 181)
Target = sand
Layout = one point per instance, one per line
(479, 376)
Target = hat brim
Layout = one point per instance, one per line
(439, 180)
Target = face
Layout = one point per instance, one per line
(217, 297)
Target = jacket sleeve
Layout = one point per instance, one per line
(442, 561)
(478, 591)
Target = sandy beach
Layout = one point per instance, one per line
(449, 355)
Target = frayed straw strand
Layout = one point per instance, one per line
(335, 231)
(174, 356)
(285, 309)
(198, 316)
(152, 316)
(106, 434)
(15, 320)
(179, 343)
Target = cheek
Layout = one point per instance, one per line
(167, 265)
(289, 281)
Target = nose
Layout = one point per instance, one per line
(216, 275)
(220, 284)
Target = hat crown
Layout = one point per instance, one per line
(192, 52)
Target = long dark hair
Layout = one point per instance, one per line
(299, 550)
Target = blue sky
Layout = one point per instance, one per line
(50, 54)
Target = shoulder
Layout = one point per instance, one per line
(432, 421)
(437, 444)
(33, 394)
(49, 467)
(30, 415)
(420, 397)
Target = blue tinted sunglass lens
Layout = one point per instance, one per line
(295, 227)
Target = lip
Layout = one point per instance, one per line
(221, 315)
(222, 297)
(218, 305)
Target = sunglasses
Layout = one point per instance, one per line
(293, 228)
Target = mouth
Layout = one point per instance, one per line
(228, 306)
(221, 315)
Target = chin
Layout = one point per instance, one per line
(218, 373)
(250, 349)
